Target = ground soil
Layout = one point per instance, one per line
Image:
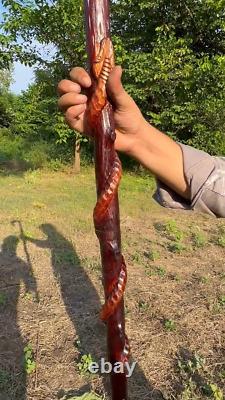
(51, 293)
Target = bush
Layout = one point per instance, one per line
(37, 155)
(19, 153)
(11, 148)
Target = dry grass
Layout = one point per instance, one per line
(50, 291)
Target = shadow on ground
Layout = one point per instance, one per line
(14, 272)
(82, 305)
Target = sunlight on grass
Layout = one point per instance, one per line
(34, 196)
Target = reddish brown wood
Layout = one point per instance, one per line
(108, 174)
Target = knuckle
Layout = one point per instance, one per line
(60, 105)
(75, 72)
(61, 87)
(70, 113)
(62, 101)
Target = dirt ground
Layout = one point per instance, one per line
(51, 292)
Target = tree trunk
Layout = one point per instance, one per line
(76, 162)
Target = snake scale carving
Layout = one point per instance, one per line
(108, 175)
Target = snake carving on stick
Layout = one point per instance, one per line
(108, 174)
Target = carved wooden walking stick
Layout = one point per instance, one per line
(108, 174)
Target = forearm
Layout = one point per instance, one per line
(162, 156)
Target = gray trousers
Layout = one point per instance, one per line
(205, 176)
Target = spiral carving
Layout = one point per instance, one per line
(116, 294)
(102, 66)
(108, 194)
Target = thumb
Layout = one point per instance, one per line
(115, 89)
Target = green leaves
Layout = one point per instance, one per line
(174, 66)
(213, 391)
(58, 24)
(173, 54)
(29, 363)
(84, 364)
(86, 396)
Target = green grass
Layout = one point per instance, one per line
(152, 255)
(2, 299)
(29, 196)
(176, 247)
(84, 364)
(220, 240)
(29, 362)
(162, 270)
(136, 195)
(170, 325)
(86, 396)
(199, 238)
(5, 379)
(153, 270)
(143, 306)
(170, 230)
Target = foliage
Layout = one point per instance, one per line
(191, 371)
(143, 305)
(17, 152)
(36, 133)
(173, 54)
(155, 271)
(86, 396)
(2, 299)
(84, 364)
(199, 238)
(176, 247)
(5, 379)
(5, 79)
(214, 391)
(58, 25)
(189, 18)
(173, 231)
(221, 236)
(6, 99)
(170, 325)
(29, 363)
(38, 119)
(222, 301)
(152, 255)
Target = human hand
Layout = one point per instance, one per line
(129, 120)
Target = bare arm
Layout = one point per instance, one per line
(135, 136)
(163, 157)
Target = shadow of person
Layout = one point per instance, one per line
(80, 297)
(14, 272)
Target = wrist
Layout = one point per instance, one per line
(141, 142)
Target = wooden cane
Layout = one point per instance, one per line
(108, 175)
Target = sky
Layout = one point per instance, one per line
(22, 76)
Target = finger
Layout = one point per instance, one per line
(80, 76)
(74, 113)
(66, 86)
(71, 99)
(76, 125)
(116, 91)
(114, 84)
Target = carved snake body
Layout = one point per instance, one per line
(101, 68)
